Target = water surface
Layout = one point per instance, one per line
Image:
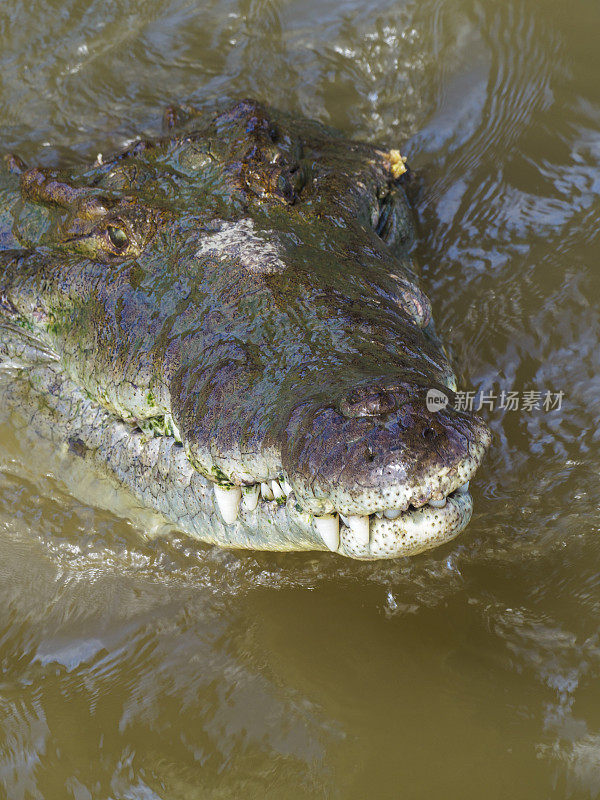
(136, 664)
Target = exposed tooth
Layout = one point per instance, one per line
(360, 528)
(464, 488)
(228, 501)
(328, 528)
(379, 514)
(266, 491)
(392, 513)
(286, 487)
(277, 490)
(250, 495)
(438, 503)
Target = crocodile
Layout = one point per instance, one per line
(227, 319)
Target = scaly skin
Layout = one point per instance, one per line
(230, 305)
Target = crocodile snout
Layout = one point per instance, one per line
(381, 448)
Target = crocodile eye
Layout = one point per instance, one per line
(118, 237)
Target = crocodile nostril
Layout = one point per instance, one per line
(429, 434)
(370, 403)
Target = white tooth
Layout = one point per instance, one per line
(286, 487)
(379, 514)
(392, 513)
(328, 528)
(228, 501)
(277, 490)
(464, 488)
(250, 495)
(360, 528)
(438, 503)
(266, 491)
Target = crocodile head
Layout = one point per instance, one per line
(244, 287)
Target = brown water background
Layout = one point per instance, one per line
(138, 667)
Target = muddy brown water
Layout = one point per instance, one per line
(136, 664)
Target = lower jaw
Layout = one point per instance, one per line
(413, 532)
(283, 526)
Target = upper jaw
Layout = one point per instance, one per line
(390, 459)
(391, 500)
(326, 471)
(432, 485)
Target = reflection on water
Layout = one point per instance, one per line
(137, 664)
